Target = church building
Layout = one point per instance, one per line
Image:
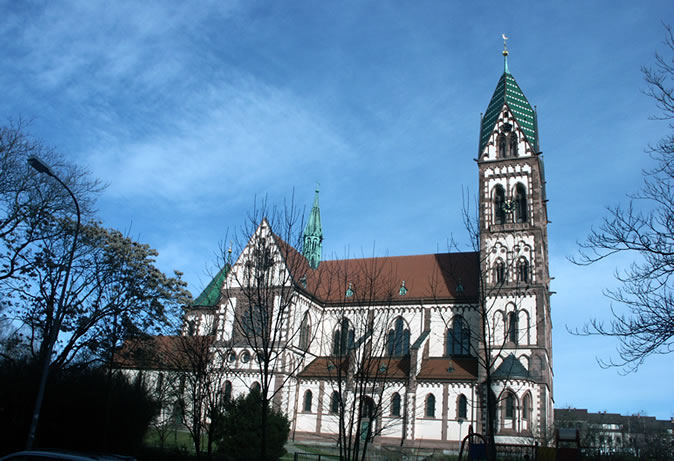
(403, 350)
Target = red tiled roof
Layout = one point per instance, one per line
(163, 352)
(383, 367)
(437, 368)
(436, 276)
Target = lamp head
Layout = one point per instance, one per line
(37, 164)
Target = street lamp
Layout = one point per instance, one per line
(53, 334)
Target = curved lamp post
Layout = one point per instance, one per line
(53, 334)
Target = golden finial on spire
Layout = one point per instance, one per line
(505, 53)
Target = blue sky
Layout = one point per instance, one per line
(188, 110)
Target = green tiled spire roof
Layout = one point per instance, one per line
(508, 92)
(211, 294)
(313, 235)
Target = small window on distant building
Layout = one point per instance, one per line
(231, 358)
(526, 407)
(228, 391)
(307, 401)
(395, 404)
(403, 289)
(255, 387)
(430, 406)
(245, 357)
(463, 407)
(349, 291)
(334, 402)
(523, 270)
(499, 205)
(513, 333)
(521, 208)
(499, 272)
(510, 406)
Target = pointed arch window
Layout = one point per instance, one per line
(513, 328)
(334, 402)
(523, 270)
(512, 145)
(509, 406)
(499, 272)
(499, 205)
(228, 391)
(395, 404)
(521, 208)
(458, 337)
(502, 145)
(255, 387)
(305, 332)
(343, 338)
(462, 407)
(526, 407)
(399, 339)
(430, 406)
(308, 397)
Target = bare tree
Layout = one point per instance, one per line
(29, 201)
(644, 228)
(368, 352)
(260, 295)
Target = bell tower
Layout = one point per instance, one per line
(514, 261)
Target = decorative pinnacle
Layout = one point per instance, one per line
(505, 54)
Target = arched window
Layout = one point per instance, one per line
(523, 270)
(305, 332)
(521, 211)
(430, 406)
(499, 271)
(308, 396)
(399, 339)
(334, 402)
(462, 407)
(458, 337)
(160, 382)
(513, 328)
(502, 146)
(499, 205)
(254, 321)
(512, 145)
(526, 407)
(228, 391)
(343, 338)
(509, 406)
(395, 404)
(255, 387)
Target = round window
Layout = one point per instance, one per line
(245, 357)
(232, 357)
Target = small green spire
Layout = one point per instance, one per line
(505, 54)
(313, 235)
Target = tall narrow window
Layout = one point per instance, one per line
(512, 144)
(502, 146)
(395, 404)
(399, 339)
(458, 337)
(228, 391)
(343, 338)
(513, 333)
(160, 382)
(334, 402)
(499, 205)
(523, 270)
(305, 332)
(430, 406)
(526, 407)
(307, 401)
(510, 406)
(463, 407)
(499, 272)
(522, 213)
